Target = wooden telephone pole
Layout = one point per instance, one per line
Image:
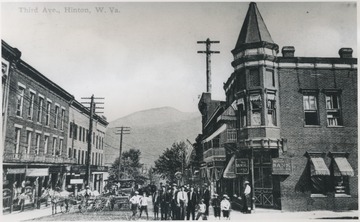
(208, 53)
(122, 130)
(91, 117)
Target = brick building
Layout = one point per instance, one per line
(36, 131)
(288, 125)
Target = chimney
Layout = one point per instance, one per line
(345, 52)
(288, 51)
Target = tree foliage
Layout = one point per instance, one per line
(171, 161)
(130, 167)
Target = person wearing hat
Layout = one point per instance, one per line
(174, 204)
(206, 196)
(225, 206)
(201, 210)
(215, 203)
(182, 200)
(247, 198)
(192, 201)
(135, 201)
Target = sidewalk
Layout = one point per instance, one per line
(27, 214)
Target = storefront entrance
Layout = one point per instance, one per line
(263, 180)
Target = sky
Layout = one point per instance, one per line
(143, 55)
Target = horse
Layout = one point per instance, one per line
(58, 198)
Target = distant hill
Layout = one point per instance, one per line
(152, 131)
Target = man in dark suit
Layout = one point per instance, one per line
(206, 196)
(174, 204)
(192, 201)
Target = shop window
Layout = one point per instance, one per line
(341, 171)
(256, 107)
(20, 100)
(333, 110)
(311, 109)
(319, 173)
(271, 110)
(254, 77)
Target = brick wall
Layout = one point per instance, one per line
(295, 194)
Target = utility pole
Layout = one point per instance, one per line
(91, 117)
(208, 53)
(122, 130)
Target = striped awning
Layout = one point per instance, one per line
(229, 172)
(216, 133)
(318, 167)
(342, 167)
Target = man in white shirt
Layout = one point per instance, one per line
(225, 207)
(135, 201)
(143, 202)
(182, 200)
(247, 197)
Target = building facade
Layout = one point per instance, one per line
(78, 147)
(288, 125)
(38, 117)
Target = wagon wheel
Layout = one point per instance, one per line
(98, 205)
(103, 204)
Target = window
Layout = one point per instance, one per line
(20, 100)
(17, 139)
(69, 152)
(256, 107)
(319, 173)
(54, 147)
(47, 116)
(93, 138)
(87, 135)
(80, 133)
(71, 130)
(333, 110)
(270, 78)
(79, 156)
(96, 158)
(86, 156)
(40, 109)
(28, 142)
(31, 106)
(310, 109)
(37, 148)
(341, 171)
(56, 119)
(92, 158)
(254, 77)
(102, 143)
(97, 142)
(82, 157)
(62, 119)
(61, 146)
(74, 153)
(271, 108)
(46, 144)
(75, 129)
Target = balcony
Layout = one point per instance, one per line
(33, 158)
(214, 154)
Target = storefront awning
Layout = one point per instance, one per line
(343, 167)
(229, 172)
(216, 133)
(318, 167)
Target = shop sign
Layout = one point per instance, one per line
(16, 171)
(57, 169)
(37, 172)
(281, 166)
(76, 181)
(242, 166)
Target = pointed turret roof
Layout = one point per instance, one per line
(253, 29)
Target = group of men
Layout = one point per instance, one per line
(180, 202)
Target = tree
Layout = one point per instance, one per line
(171, 161)
(130, 167)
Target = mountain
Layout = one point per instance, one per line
(152, 131)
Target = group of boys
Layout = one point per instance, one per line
(180, 202)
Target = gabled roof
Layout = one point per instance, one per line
(253, 29)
